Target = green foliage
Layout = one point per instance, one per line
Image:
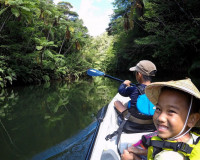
(34, 42)
(6, 73)
(3, 10)
(46, 78)
(40, 39)
(15, 11)
(166, 33)
(176, 31)
(99, 52)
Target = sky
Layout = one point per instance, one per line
(94, 13)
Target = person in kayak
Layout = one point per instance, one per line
(177, 112)
(144, 71)
(136, 117)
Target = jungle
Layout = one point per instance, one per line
(41, 41)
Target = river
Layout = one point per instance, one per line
(52, 121)
(51, 116)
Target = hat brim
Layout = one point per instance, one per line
(153, 90)
(132, 69)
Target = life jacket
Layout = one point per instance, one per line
(143, 107)
(143, 104)
(156, 145)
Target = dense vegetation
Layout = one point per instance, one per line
(41, 41)
(166, 32)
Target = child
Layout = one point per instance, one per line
(144, 71)
(177, 112)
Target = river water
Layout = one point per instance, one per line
(52, 121)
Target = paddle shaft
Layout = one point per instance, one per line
(95, 72)
(117, 79)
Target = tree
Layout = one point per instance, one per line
(165, 32)
(37, 39)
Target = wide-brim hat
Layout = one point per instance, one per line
(153, 90)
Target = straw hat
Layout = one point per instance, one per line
(153, 90)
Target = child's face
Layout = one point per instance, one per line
(171, 112)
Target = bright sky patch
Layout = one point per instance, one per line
(94, 13)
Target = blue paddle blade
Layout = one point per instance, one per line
(94, 72)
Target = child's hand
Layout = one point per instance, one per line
(129, 156)
(127, 83)
(137, 151)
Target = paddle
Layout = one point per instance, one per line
(94, 72)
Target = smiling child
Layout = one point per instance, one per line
(177, 112)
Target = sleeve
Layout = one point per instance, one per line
(125, 91)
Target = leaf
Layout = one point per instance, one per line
(3, 10)
(48, 12)
(46, 78)
(6, 2)
(15, 2)
(2, 85)
(25, 8)
(71, 29)
(47, 117)
(1, 70)
(8, 78)
(39, 48)
(48, 53)
(15, 11)
(37, 12)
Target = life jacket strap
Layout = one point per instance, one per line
(176, 146)
(136, 120)
(111, 135)
(119, 130)
(140, 89)
(197, 140)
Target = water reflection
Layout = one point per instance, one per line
(35, 118)
(72, 148)
(39, 122)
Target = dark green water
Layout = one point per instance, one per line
(50, 121)
(35, 118)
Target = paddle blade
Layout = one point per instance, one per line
(94, 72)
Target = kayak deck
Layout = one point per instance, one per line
(108, 126)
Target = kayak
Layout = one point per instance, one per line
(107, 124)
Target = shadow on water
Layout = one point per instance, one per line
(54, 120)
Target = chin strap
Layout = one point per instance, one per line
(180, 133)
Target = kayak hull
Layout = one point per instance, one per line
(108, 126)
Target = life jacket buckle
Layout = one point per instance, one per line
(182, 147)
(127, 116)
(108, 137)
